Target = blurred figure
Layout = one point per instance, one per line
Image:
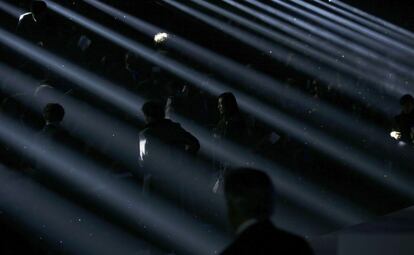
(134, 75)
(249, 197)
(53, 115)
(187, 102)
(52, 134)
(40, 28)
(34, 25)
(404, 122)
(231, 127)
(159, 140)
(131, 66)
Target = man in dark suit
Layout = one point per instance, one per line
(162, 144)
(249, 198)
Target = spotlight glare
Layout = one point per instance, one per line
(396, 135)
(160, 37)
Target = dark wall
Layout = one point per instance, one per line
(399, 12)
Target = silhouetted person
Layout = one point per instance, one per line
(53, 115)
(132, 74)
(404, 122)
(160, 140)
(33, 25)
(40, 28)
(53, 136)
(249, 197)
(131, 66)
(231, 127)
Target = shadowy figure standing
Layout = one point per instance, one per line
(40, 28)
(162, 142)
(52, 136)
(231, 127)
(34, 25)
(404, 122)
(53, 114)
(249, 197)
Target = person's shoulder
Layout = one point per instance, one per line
(144, 129)
(238, 120)
(169, 122)
(289, 237)
(292, 242)
(265, 238)
(171, 125)
(158, 126)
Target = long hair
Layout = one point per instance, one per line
(230, 103)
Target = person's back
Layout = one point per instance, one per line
(167, 132)
(249, 198)
(164, 136)
(163, 144)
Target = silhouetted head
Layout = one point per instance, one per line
(38, 9)
(53, 113)
(153, 111)
(407, 103)
(249, 195)
(227, 104)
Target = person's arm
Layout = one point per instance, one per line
(191, 142)
(193, 145)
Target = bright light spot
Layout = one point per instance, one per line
(396, 135)
(142, 148)
(23, 15)
(160, 37)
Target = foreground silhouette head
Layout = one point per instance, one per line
(153, 111)
(249, 195)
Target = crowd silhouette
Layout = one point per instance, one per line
(163, 142)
